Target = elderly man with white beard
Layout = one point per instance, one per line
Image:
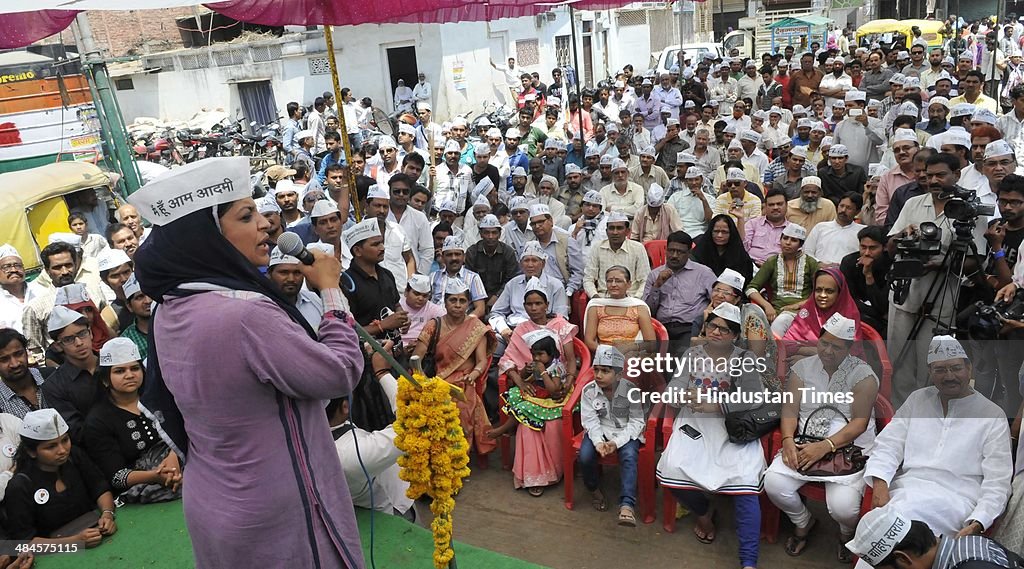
(622, 195)
(810, 208)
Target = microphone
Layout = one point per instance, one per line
(291, 244)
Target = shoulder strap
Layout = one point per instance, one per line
(820, 409)
(432, 346)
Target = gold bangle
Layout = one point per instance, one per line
(784, 439)
(831, 444)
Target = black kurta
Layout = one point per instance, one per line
(27, 518)
(115, 439)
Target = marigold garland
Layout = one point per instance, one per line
(436, 458)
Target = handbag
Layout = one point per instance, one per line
(846, 459)
(752, 424)
(429, 362)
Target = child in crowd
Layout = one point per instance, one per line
(612, 424)
(416, 303)
(92, 244)
(544, 386)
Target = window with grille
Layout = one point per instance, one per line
(194, 61)
(265, 53)
(632, 18)
(527, 52)
(563, 50)
(319, 66)
(165, 63)
(229, 57)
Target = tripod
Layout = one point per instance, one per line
(952, 271)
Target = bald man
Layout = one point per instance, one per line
(128, 215)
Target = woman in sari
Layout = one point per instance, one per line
(829, 296)
(721, 247)
(464, 345)
(755, 330)
(619, 318)
(538, 457)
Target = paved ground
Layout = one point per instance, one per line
(491, 514)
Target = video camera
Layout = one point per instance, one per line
(964, 206)
(913, 251)
(985, 321)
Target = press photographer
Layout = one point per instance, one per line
(926, 276)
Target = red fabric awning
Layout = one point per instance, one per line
(23, 28)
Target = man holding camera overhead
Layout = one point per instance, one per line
(942, 174)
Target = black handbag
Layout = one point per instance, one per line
(752, 424)
(429, 361)
(846, 459)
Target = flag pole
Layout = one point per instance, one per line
(353, 195)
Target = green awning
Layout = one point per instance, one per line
(808, 20)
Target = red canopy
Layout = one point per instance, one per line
(23, 28)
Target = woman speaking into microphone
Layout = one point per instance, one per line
(237, 379)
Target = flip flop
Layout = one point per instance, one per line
(598, 501)
(627, 517)
(709, 536)
(796, 545)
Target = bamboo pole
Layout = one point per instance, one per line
(353, 195)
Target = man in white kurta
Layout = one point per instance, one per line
(830, 241)
(945, 457)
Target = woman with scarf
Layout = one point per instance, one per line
(76, 297)
(829, 296)
(462, 346)
(538, 457)
(721, 248)
(236, 378)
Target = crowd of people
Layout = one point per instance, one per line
(727, 210)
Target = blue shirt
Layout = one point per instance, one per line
(329, 161)
(518, 159)
(291, 128)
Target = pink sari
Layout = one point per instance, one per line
(810, 319)
(538, 456)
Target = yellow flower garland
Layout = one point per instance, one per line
(436, 458)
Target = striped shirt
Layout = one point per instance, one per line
(954, 551)
(14, 404)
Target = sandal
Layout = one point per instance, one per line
(796, 544)
(704, 536)
(598, 501)
(536, 491)
(627, 517)
(844, 556)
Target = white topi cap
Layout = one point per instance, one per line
(61, 317)
(878, 534)
(419, 283)
(119, 351)
(74, 293)
(376, 192)
(490, 221)
(729, 312)
(944, 348)
(998, 148)
(7, 250)
(452, 243)
(200, 185)
(732, 278)
(361, 231)
(455, 286)
(655, 195)
(841, 327)
(279, 258)
(43, 425)
(608, 356)
(795, 230)
(110, 258)
(131, 287)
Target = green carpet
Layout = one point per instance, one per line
(154, 536)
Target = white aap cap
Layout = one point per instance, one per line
(875, 170)
(734, 174)
(655, 195)
(519, 171)
(998, 148)
(728, 311)
(617, 217)
(455, 286)
(795, 230)
(852, 96)
(447, 205)
(904, 135)
(751, 136)
(811, 181)
(608, 356)
(732, 278)
(323, 208)
(7, 250)
(267, 205)
(200, 185)
(482, 203)
(452, 146)
(74, 293)
(69, 238)
(119, 351)
(539, 209)
(571, 168)
(419, 283)
(43, 425)
(593, 197)
(490, 221)
(386, 142)
(944, 348)
(517, 203)
(878, 534)
(649, 151)
(452, 243)
(131, 287)
(838, 151)
(961, 110)
(533, 249)
(841, 327)
(277, 258)
(535, 336)
(109, 259)
(984, 116)
(957, 137)
(375, 192)
(61, 317)
(361, 231)
(686, 158)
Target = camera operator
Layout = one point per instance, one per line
(942, 172)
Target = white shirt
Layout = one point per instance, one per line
(830, 81)
(417, 229)
(690, 209)
(311, 307)
(758, 160)
(380, 457)
(11, 309)
(450, 185)
(945, 470)
(422, 92)
(829, 242)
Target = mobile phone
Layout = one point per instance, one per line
(691, 432)
(856, 112)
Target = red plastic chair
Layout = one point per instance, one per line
(816, 490)
(656, 252)
(874, 339)
(578, 311)
(573, 437)
(582, 353)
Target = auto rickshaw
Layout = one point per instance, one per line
(900, 32)
(35, 203)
